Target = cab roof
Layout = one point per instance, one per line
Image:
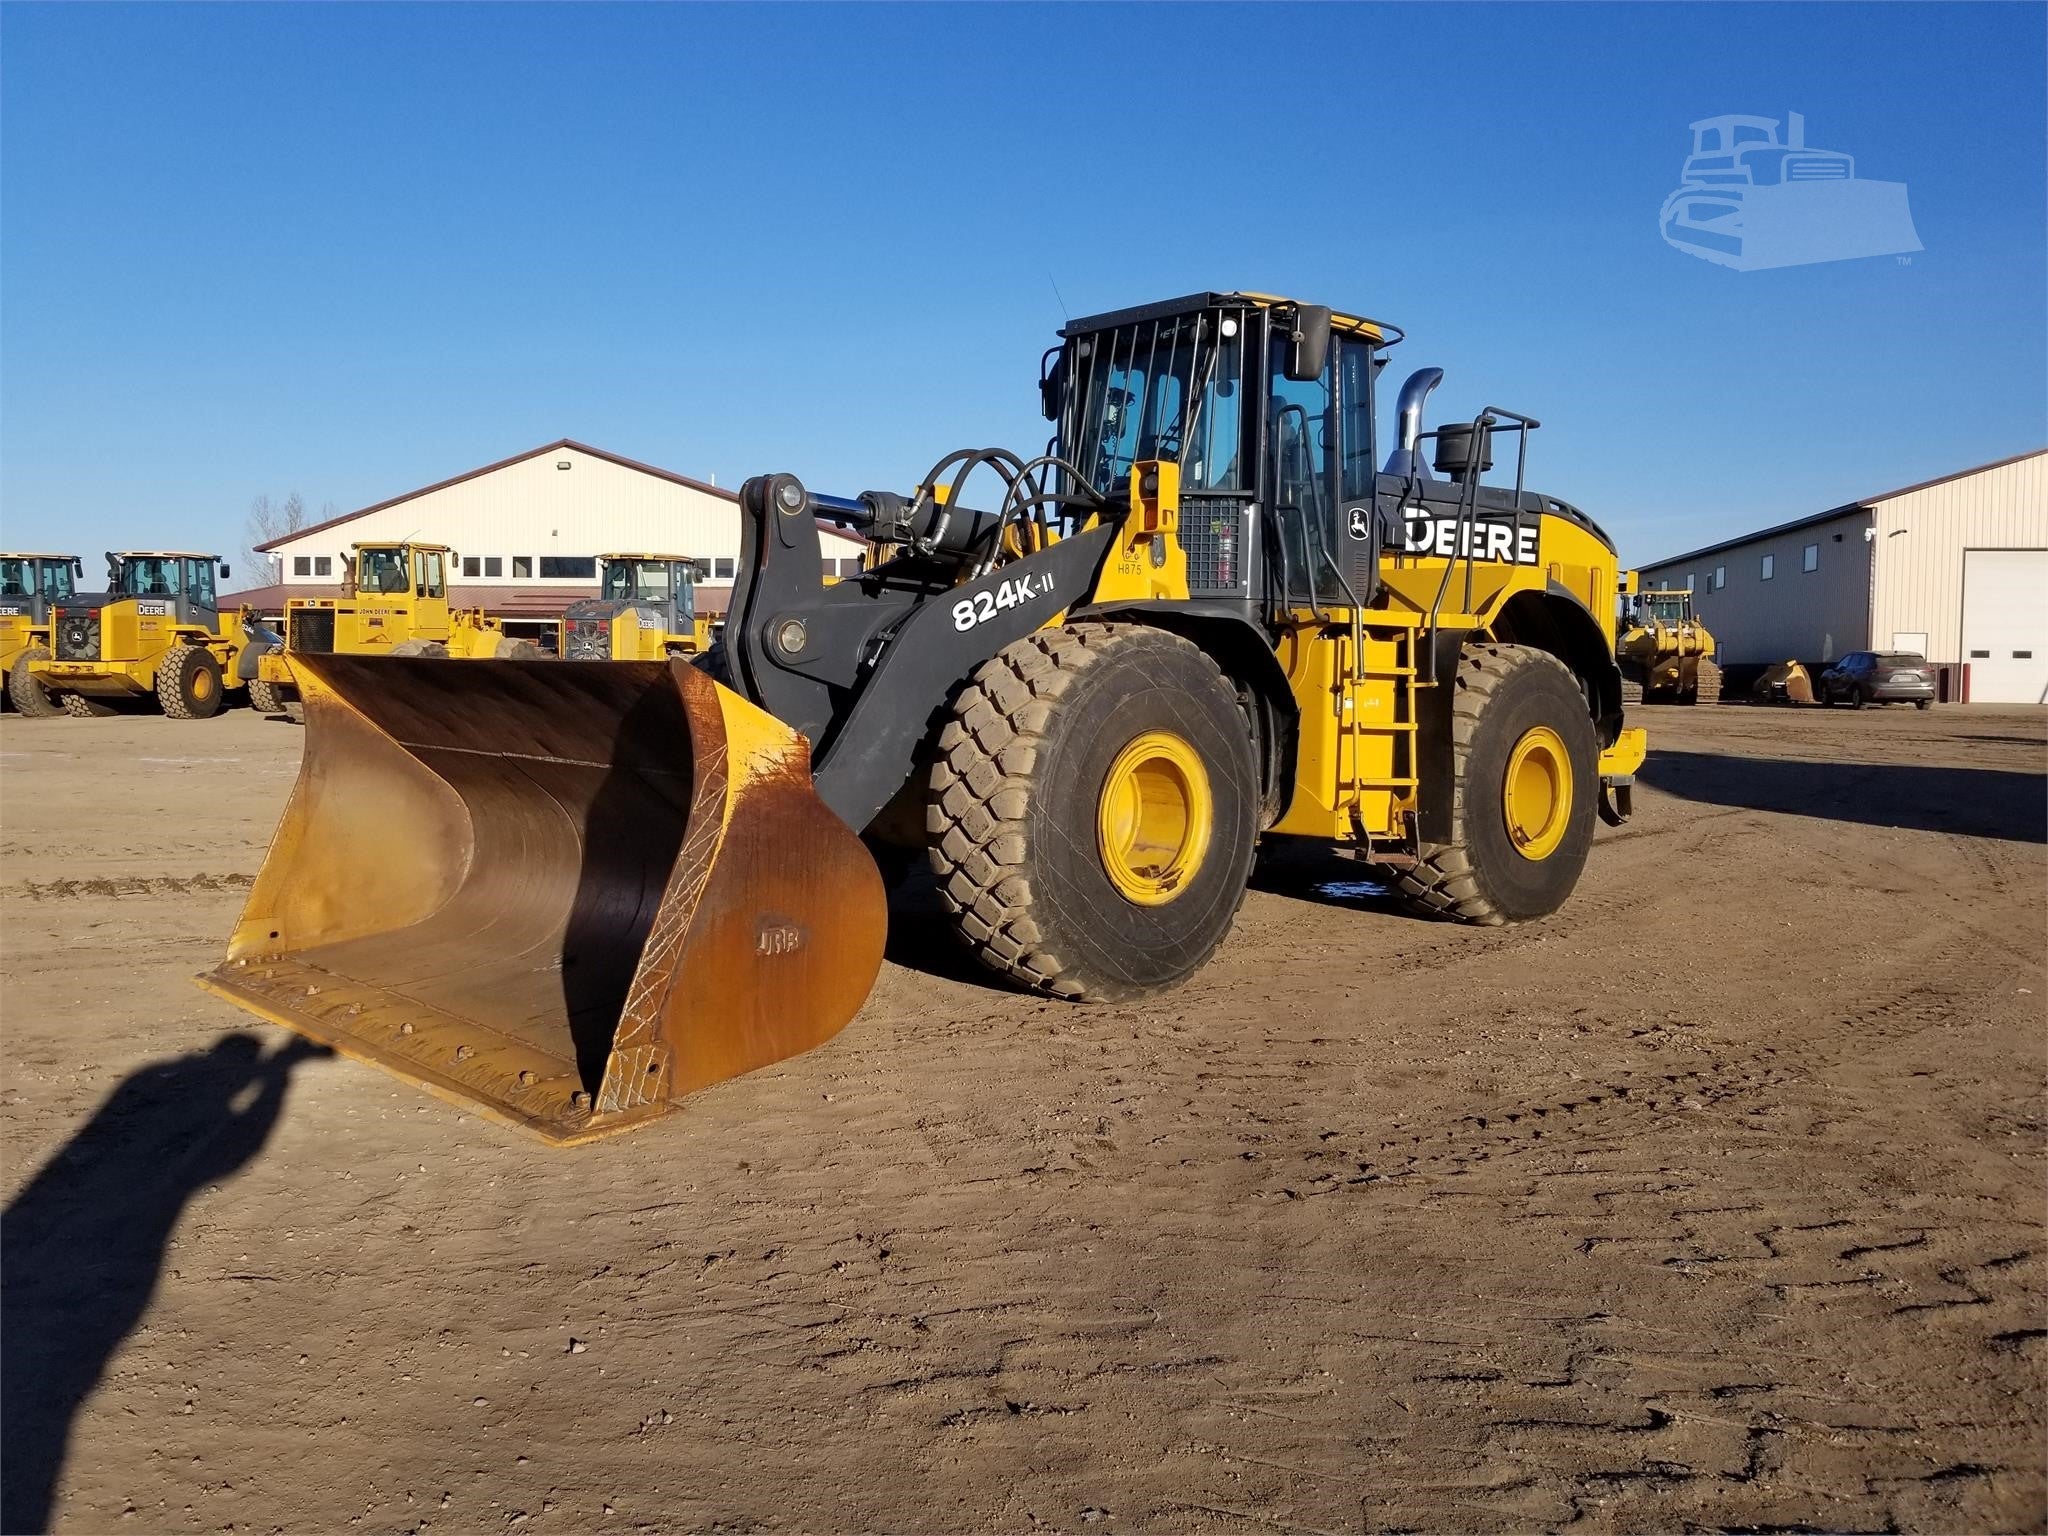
(428, 546)
(15, 554)
(161, 554)
(1353, 325)
(683, 559)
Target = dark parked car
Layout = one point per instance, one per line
(1879, 677)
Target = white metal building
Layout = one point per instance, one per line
(1955, 569)
(527, 531)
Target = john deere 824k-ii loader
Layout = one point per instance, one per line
(568, 894)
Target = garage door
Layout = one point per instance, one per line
(2005, 625)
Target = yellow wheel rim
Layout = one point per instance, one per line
(1155, 818)
(202, 684)
(1536, 800)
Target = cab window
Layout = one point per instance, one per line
(1299, 427)
(428, 568)
(1356, 361)
(57, 581)
(199, 582)
(13, 578)
(381, 571)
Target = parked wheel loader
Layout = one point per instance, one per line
(1665, 653)
(157, 631)
(1086, 685)
(31, 586)
(646, 610)
(395, 604)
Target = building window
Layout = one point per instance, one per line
(568, 567)
(522, 566)
(1692, 582)
(1809, 558)
(323, 565)
(1720, 577)
(494, 565)
(701, 569)
(471, 566)
(722, 567)
(850, 566)
(1770, 565)
(302, 565)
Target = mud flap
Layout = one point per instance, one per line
(1617, 800)
(260, 642)
(563, 895)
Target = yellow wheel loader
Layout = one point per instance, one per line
(156, 631)
(1086, 685)
(1665, 653)
(31, 587)
(646, 611)
(396, 605)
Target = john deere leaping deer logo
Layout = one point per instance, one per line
(1753, 198)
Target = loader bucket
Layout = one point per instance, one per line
(561, 894)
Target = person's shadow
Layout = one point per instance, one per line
(81, 1245)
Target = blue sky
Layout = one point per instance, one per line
(350, 250)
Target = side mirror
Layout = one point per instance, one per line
(1049, 397)
(224, 572)
(1308, 346)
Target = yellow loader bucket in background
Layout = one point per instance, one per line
(563, 894)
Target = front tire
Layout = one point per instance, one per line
(265, 698)
(1092, 811)
(188, 683)
(1526, 766)
(432, 648)
(510, 648)
(79, 707)
(30, 697)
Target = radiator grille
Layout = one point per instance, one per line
(78, 637)
(586, 640)
(1214, 532)
(311, 630)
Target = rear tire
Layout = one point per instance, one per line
(265, 698)
(30, 697)
(1923, 703)
(1709, 686)
(512, 649)
(419, 648)
(79, 707)
(1512, 856)
(188, 683)
(1631, 691)
(1092, 811)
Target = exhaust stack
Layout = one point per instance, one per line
(1404, 460)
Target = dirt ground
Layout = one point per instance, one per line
(1713, 1203)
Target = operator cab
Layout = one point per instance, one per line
(43, 579)
(651, 579)
(178, 577)
(1268, 408)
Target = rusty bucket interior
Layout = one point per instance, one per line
(563, 894)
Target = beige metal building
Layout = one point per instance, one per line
(527, 532)
(1955, 569)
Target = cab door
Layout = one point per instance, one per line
(201, 607)
(430, 594)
